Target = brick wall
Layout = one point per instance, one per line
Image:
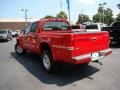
(12, 25)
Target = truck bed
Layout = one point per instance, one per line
(88, 42)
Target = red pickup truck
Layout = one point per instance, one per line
(55, 41)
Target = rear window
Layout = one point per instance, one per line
(75, 27)
(116, 24)
(56, 25)
(91, 27)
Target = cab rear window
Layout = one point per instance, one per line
(56, 25)
(91, 27)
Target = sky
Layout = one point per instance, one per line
(40, 8)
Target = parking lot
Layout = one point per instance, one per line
(25, 73)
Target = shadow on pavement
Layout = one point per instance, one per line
(115, 45)
(3, 41)
(66, 74)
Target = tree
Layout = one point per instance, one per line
(118, 17)
(61, 15)
(83, 18)
(49, 16)
(108, 16)
(97, 17)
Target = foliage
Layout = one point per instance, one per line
(48, 16)
(118, 17)
(61, 15)
(108, 16)
(83, 18)
(97, 17)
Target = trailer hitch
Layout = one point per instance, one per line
(98, 61)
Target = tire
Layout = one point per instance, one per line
(6, 40)
(47, 61)
(19, 50)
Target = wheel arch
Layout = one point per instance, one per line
(17, 41)
(45, 46)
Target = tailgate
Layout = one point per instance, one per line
(88, 42)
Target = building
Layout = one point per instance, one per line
(14, 24)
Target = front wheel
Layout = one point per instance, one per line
(19, 50)
(47, 61)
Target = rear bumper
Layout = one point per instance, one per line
(88, 57)
(3, 38)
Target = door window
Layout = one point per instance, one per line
(27, 29)
(34, 27)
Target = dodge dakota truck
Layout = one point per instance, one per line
(54, 40)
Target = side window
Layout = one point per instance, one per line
(27, 29)
(117, 24)
(7, 31)
(34, 27)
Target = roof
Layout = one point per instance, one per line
(16, 20)
(55, 19)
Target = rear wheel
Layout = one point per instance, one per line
(19, 50)
(6, 40)
(47, 61)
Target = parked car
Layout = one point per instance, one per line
(94, 27)
(55, 41)
(78, 28)
(5, 34)
(114, 31)
(16, 33)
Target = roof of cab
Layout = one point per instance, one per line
(54, 19)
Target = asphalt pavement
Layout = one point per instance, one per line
(25, 73)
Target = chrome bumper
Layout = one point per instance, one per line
(102, 54)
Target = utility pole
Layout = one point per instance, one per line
(61, 5)
(102, 6)
(82, 15)
(68, 7)
(25, 10)
(118, 6)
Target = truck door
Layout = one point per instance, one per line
(32, 37)
(25, 37)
